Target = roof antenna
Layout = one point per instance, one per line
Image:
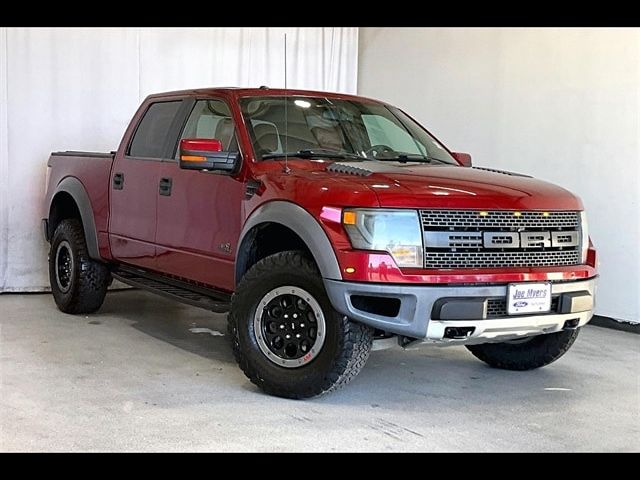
(286, 119)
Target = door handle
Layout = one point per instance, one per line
(165, 187)
(118, 181)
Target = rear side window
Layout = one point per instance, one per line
(151, 135)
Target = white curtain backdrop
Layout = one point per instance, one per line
(64, 89)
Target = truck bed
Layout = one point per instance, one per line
(93, 171)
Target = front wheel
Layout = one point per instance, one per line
(525, 354)
(287, 338)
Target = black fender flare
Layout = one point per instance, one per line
(74, 187)
(303, 224)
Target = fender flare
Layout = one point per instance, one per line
(303, 224)
(73, 187)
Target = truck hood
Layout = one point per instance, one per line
(421, 185)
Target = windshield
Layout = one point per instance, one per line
(334, 128)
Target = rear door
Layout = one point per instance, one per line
(199, 219)
(135, 182)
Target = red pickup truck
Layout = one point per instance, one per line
(322, 222)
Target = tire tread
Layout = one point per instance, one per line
(538, 352)
(356, 340)
(90, 285)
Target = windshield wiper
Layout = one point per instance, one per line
(315, 153)
(412, 157)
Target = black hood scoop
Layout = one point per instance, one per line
(348, 169)
(504, 172)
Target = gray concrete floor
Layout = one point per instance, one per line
(136, 376)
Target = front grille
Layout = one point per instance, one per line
(497, 307)
(457, 239)
(549, 258)
(437, 219)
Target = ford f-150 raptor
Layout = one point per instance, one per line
(321, 222)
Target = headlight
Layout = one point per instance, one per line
(395, 231)
(584, 230)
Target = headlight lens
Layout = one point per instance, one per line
(584, 229)
(395, 231)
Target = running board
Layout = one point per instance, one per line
(218, 302)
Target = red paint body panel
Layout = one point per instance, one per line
(94, 174)
(441, 186)
(381, 268)
(203, 144)
(199, 226)
(204, 216)
(133, 211)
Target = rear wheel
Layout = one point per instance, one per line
(287, 338)
(526, 354)
(78, 283)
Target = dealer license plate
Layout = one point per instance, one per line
(528, 298)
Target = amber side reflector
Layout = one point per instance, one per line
(349, 218)
(192, 158)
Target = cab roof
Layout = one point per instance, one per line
(238, 92)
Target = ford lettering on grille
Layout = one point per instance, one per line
(500, 239)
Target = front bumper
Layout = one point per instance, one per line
(459, 314)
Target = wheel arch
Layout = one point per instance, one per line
(285, 226)
(71, 200)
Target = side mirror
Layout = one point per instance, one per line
(463, 159)
(206, 154)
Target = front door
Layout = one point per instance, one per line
(134, 186)
(199, 220)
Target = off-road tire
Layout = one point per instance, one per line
(539, 351)
(89, 278)
(346, 346)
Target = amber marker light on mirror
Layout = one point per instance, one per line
(192, 158)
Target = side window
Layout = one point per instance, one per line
(382, 131)
(151, 135)
(211, 119)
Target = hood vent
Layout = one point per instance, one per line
(338, 167)
(503, 172)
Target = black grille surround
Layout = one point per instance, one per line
(462, 253)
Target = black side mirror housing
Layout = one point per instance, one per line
(219, 161)
(206, 154)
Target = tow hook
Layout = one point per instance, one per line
(458, 333)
